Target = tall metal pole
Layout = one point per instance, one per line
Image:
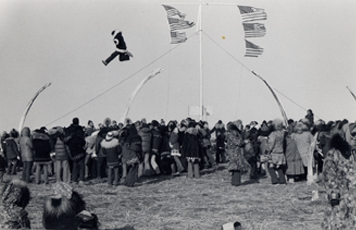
(201, 108)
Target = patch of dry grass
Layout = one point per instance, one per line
(168, 203)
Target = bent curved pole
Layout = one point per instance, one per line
(30, 103)
(281, 108)
(138, 88)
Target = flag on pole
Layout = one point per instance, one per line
(179, 24)
(178, 37)
(252, 50)
(171, 12)
(254, 30)
(249, 13)
(176, 23)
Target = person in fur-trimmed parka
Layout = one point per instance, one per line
(112, 149)
(339, 181)
(191, 149)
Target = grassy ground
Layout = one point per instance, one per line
(166, 203)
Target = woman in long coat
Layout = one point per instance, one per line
(237, 164)
(303, 138)
(340, 181)
(295, 166)
(26, 153)
(275, 147)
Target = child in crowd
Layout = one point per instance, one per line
(15, 197)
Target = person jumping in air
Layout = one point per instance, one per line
(120, 51)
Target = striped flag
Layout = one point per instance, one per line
(252, 50)
(249, 13)
(179, 24)
(171, 12)
(254, 30)
(176, 22)
(178, 37)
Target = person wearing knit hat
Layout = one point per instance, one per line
(15, 197)
(339, 180)
(124, 55)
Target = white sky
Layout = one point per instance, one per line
(309, 56)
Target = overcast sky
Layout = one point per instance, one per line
(309, 56)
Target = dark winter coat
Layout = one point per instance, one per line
(174, 141)
(156, 141)
(191, 144)
(76, 144)
(133, 145)
(41, 147)
(11, 149)
(146, 137)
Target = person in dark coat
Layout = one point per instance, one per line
(42, 149)
(131, 154)
(219, 130)
(146, 137)
(191, 149)
(156, 144)
(120, 51)
(76, 143)
(11, 151)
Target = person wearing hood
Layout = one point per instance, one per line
(15, 197)
(339, 180)
(112, 150)
(219, 130)
(11, 151)
(191, 148)
(303, 138)
(236, 162)
(61, 159)
(132, 152)
(275, 148)
(42, 149)
(26, 149)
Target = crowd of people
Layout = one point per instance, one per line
(125, 152)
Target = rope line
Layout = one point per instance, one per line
(119, 83)
(251, 71)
